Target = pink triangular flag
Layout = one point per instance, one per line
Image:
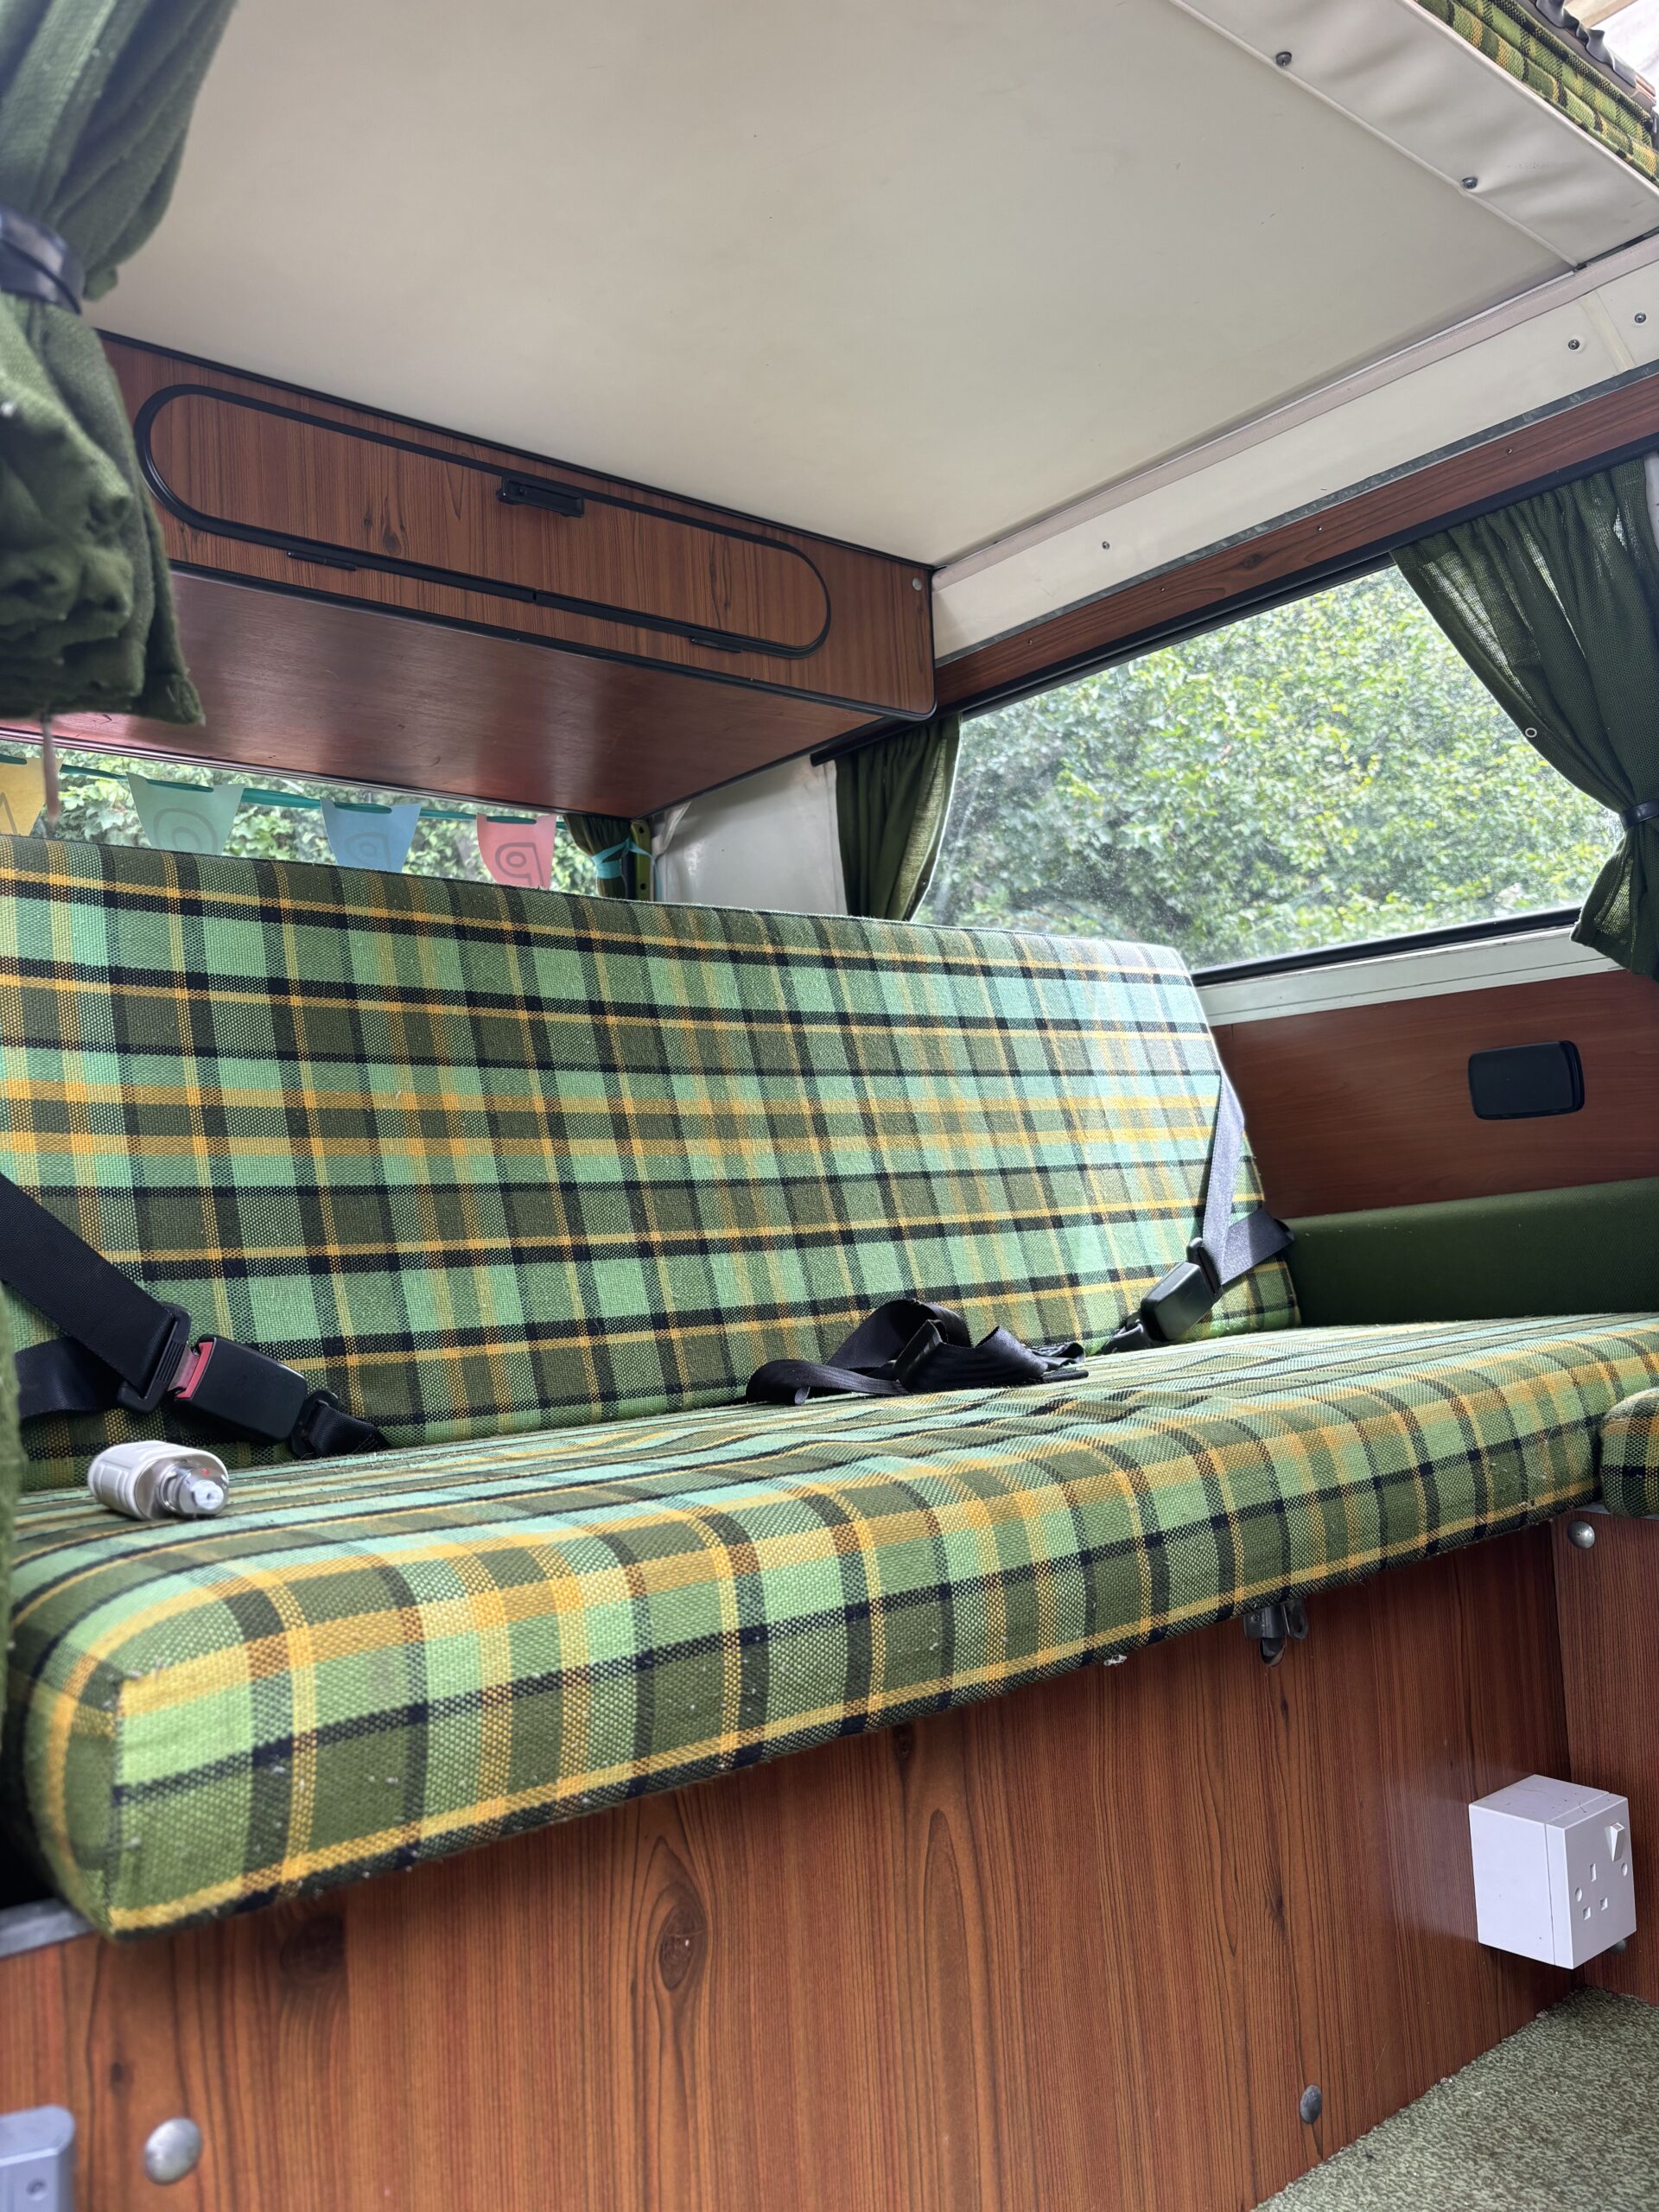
(519, 852)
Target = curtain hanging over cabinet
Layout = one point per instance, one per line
(95, 100)
(1553, 601)
(892, 799)
(620, 851)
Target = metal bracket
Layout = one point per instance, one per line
(1274, 1626)
(37, 2160)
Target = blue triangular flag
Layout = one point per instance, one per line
(186, 817)
(371, 836)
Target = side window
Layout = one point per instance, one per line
(1315, 774)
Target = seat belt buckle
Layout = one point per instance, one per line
(170, 1363)
(1184, 1297)
(244, 1390)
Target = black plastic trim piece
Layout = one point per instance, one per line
(541, 492)
(1379, 948)
(1523, 1082)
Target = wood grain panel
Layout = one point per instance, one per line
(1368, 1106)
(307, 688)
(1080, 1947)
(1348, 531)
(1610, 1661)
(877, 655)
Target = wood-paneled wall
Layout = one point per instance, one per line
(1609, 1663)
(1368, 1105)
(1078, 1949)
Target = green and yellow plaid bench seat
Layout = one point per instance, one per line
(375, 1661)
(534, 1183)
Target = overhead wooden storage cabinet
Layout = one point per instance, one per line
(691, 644)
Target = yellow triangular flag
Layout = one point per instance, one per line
(22, 794)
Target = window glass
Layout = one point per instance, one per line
(1316, 774)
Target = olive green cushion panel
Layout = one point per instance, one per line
(1590, 1249)
(1630, 1455)
(479, 1159)
(370, 1663)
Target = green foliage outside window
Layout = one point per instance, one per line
(103, 812)
(1322, 773)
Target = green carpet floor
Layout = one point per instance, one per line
(1564, 2117)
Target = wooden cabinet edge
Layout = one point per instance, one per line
(875, 607)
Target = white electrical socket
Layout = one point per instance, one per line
(1553, 1876)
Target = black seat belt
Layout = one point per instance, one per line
(122, 1348)
(1223, 1253)
(909, 1345)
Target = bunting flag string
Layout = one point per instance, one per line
(186, 817)
(190, 818)
(519, 852)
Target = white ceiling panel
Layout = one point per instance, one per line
(910, 272)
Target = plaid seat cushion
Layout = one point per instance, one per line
(481, 1160)
(1630, 1455)
(371, 1663)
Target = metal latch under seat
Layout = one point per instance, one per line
(1275, 1626)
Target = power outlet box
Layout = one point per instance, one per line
(37, 2160)
(1553, 1876)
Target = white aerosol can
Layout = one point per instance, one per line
(159, 1482)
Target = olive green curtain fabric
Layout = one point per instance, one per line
(1553, 601)
(1553, 64)
(891, 803)
(95, 98)
(620, 851)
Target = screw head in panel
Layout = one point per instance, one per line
(1572, 344)
(1470, 182)
(1282, 60)
(916, 583)
(1310, 2103)
(173, 2150)
(1583, 1534)
(1641, 314)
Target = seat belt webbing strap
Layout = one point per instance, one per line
(122, 1347)
(1223, 1251)
(908, 1345)
(109, 1316)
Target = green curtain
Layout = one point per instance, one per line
(892, 799)
(95, 98)
(620, 851)
(1553, 601)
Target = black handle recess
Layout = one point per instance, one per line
(537, 491)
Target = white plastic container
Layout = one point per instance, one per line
(159, 1482)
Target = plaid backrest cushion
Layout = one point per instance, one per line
(482, 1160)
